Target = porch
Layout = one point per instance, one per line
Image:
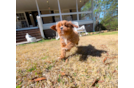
(42, 14)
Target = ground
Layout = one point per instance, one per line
(93, 64)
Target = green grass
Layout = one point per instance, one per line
(18, 86)
(117, 67)
(109, 33)
(106, 33)
(109, 77)
(62, 69)
(97, 85)
(88, 76)
(49, 67)
(86, 70)
(31, 69)
(92, 59)
(45, 40)
(22, 44)
(44, 57)
(74, 74)
(59, 80)
(36, 73)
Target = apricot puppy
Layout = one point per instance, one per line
(68, 37)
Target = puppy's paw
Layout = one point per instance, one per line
(60, 58)
(64, 48)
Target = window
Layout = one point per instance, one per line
(21, 21)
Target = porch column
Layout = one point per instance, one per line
(59, 10)
(40, 23)
(77, 10)
(93, 15)
(37, 7)
(39, 19)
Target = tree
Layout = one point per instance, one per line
(109, 8)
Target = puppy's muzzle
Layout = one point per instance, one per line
(61, 28)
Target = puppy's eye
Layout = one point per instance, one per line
(66, 26)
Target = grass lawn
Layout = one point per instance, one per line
(94, 63)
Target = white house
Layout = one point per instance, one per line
(36, 16)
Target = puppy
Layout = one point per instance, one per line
(68, 37)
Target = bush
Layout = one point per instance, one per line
(110, 24)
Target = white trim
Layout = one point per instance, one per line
(80, 22)
(85, 12)
(47, 15)
(29, 28)
(71, 13)
(75, 13)
(48, 25)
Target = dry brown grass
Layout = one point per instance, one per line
(83, 67)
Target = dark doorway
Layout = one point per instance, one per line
(35, 13)
(52, 12)
(28, 18)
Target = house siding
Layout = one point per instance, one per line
(20, 35)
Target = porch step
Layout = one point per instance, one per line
(20, 35)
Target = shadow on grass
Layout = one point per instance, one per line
(85, 51)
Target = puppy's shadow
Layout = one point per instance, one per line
(85, 51)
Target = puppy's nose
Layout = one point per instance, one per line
(61, 28)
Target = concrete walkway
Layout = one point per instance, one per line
(25, 42)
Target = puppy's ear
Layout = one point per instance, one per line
(73, 24)
(53, 27)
